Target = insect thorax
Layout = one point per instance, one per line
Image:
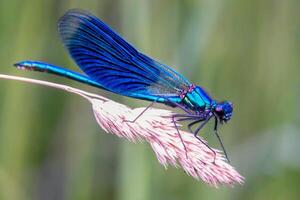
(196, 99)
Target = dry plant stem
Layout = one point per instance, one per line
(157, 128)
(82, 93)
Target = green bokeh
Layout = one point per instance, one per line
(244, 51)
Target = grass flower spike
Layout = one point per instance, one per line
(156, 127)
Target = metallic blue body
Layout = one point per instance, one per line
(198, 100)
(113, 64)
(52, 69)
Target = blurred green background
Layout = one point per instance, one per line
(245, 51)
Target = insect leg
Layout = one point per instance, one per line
(219, 138)
(188, 118)
(196, 135)
(202, 125)
(184, 118)
(198, 117)
(132, 121)
(186, 115)
(174, 122)
(193, 123)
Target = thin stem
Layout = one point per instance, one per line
(82, 93)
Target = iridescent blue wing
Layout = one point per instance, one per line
(109, 60)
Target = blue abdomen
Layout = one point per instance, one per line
(52, 69)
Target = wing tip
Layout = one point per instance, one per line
(74, 13)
